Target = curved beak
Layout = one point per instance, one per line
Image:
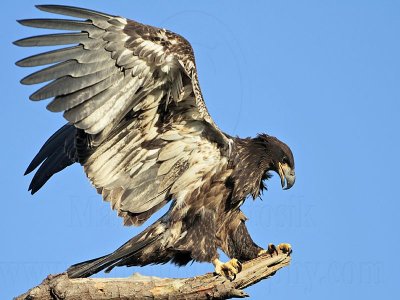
(287, 175)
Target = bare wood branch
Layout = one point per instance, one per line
(207, 286)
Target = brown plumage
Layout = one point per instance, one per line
(138, 125)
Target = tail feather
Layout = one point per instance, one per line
(108, 262)
(87, 268)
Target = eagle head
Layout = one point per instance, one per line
(278, 158)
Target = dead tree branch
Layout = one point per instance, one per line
(207, 286)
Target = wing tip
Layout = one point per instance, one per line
(35, 97)
(26, 80)
(32, 189)
(52, 8)
(22, 62)
(18, 43)
(74, 11)
(46, 7)
(30, 168)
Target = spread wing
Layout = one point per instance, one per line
(133, 89)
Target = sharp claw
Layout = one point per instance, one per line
(228, 269)
(272, 249)
(240, 266)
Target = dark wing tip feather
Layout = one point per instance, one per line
(30, 168)
(56, 141)
(36, 161)
(50, 166)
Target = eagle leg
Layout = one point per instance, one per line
(272, 249)
(236, 240)
(228, 269)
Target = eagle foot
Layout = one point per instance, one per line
(228, 269)
(272, 249)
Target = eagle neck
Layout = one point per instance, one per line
(248, 168)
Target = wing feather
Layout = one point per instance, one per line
(86, 26)
(133, 89)
(54, 39)
(93, 92)
(67, 68)
(74, 12)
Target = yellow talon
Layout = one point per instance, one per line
(228, 269)
(285, 247)
(272, 249)
(262, 252)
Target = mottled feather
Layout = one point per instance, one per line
(133, 89)
(138, 125)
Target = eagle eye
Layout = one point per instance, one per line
(285, 160)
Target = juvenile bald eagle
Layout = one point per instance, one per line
(138, 125)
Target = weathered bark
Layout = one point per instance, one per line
(207, 286)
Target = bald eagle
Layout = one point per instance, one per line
(138, 125)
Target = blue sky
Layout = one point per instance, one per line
(323, 76)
